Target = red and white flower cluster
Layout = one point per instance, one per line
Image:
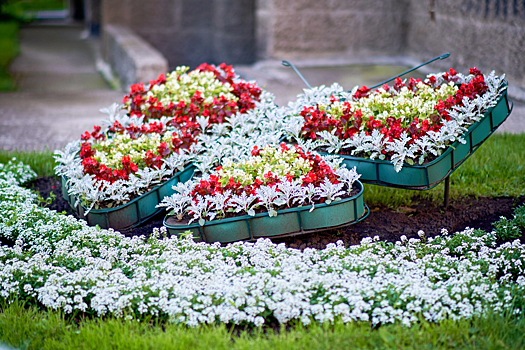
(405, 122)
(210, 92)
(273, 178)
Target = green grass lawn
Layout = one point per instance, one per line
(41, 162)
(30, 328)
(8, 51)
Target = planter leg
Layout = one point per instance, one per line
(447, 191)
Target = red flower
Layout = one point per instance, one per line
(432, 81)
(91, 166)
(398, 84)
(163, 150)
(474, 71)
(160, 80)
(255, 151)
(361, 92)
(86, 151)
(152, 160)
(95, 134)
(311, 177)
(85, 136)
(128, 166)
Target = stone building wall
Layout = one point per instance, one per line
(489, 34)
(190, 31)
(330, 27)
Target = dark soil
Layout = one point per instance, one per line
(387, 223)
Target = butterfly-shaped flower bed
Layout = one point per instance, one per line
(411, 135)
(278, 191)
(115, 177)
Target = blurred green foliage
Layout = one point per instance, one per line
(8, 51)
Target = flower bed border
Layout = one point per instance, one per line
(133, 213)
(288, 222)
(427, 176)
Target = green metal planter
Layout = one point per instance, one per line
(133, 213)
(426, 176)
(288, 222)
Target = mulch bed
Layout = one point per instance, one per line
(384, 222)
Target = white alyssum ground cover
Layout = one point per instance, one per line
(61, 263)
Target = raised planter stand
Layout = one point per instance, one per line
(288, 222)
(427, 176)
(133, 213)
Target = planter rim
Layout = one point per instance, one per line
(366, 212)
(136, 199)
(265, 214)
